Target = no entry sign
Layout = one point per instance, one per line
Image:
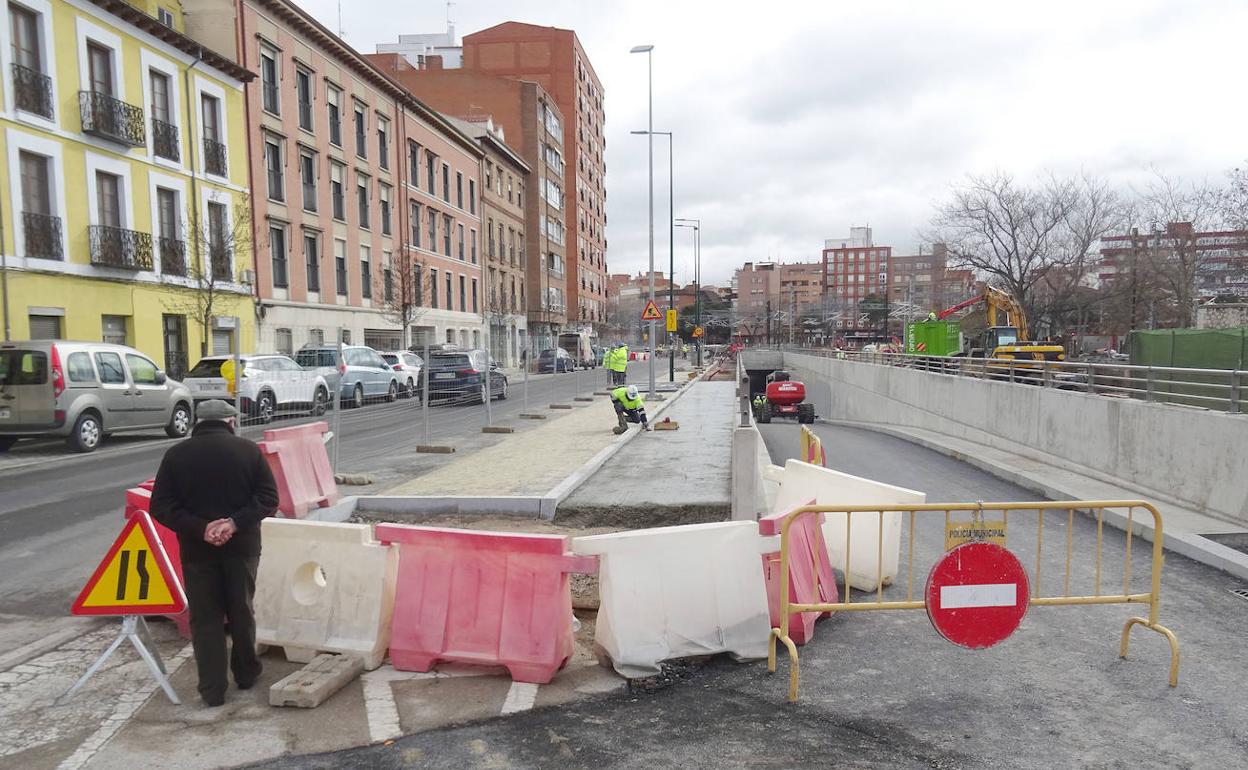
(977, 594)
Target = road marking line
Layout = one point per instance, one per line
(379, 703)
(520, 697)
(128, 704)
(983, 595)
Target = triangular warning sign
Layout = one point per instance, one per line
(135, 577)
(651, 313)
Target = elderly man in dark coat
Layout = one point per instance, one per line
(213, 490)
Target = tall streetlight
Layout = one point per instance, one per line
(671, 242)
(648, 51)
(696, 225)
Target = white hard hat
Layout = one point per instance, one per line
(631, 392)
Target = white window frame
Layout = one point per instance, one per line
(47, 52)
(211, 89)
(16, 141)
(88, 31)
(150, 61)
(119, 168)
(178, 185)
(217, 196)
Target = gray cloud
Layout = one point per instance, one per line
(795, 120)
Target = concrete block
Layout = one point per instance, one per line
(312, 685)
(324, 587)
(498, 429)
(435, 449)
(583, 398)
(530, 416)
(667, 425)
(560, 406)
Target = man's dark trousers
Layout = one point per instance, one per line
(217, 588)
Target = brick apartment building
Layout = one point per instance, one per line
(531, 125)
(853, 269)
(1220, 257)
(555, 59)
(505, 178)
(356, 186)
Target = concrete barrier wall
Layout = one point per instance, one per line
(1190, 457)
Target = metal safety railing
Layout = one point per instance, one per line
(1214, 389)
(1097, 509)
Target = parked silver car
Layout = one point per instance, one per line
(85, 391)
(270, 384)
(367, 376)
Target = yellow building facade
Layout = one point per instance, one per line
(123, 181)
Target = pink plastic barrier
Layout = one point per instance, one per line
(808, 558)
(140, 499)
(488, 598)
(300, 465)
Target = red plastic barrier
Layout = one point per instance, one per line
(808, 558)
(300, 464)
(488, 598)
(140, 499)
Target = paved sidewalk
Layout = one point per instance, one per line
(689, 468)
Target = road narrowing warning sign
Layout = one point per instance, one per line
(651, 312)
(135, 577)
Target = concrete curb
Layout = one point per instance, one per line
(564, 489)
(520, 506)
(1194, 547)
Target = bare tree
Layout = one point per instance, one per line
(1172, 211)
(1233, 200)
(1016, 234)
(216, 243)
(399, 289)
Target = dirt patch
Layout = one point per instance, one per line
(615, 518)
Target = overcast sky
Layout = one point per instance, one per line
(797, 120)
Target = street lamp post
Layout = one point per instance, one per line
(671, 242)
(648, 50)
(696, 224)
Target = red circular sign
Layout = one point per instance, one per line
(977, 594)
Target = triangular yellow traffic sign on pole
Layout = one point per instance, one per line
(135, 577)
(651, 313)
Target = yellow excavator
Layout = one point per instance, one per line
(1006, 335)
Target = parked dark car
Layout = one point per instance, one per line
(459, 376)
(555, 360)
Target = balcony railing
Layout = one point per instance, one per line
(110, 118)
(32, 91)
(220, 260)
(214, 157)
(118, 247)
(165, 140)
(42, 236)
(172, 256)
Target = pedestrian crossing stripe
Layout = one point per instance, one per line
(135, 577)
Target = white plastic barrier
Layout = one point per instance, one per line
(325, 587)
(802, 481)
(672, 592)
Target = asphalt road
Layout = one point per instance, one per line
(882, 690)
(59, 513)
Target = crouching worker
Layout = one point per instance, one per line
(628, 408)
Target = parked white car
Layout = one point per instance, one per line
(269, 384)
(407, 367)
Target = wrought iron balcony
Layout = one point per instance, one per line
(214, 157)
(165, 140)
(110, 118)
(42, 236)
(32, 91)
(220, 259)
(172, 256)
(118, 247)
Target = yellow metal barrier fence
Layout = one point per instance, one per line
(977, 510)
(812, 448)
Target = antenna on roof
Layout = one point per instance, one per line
(449, 28)
(341, 32)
